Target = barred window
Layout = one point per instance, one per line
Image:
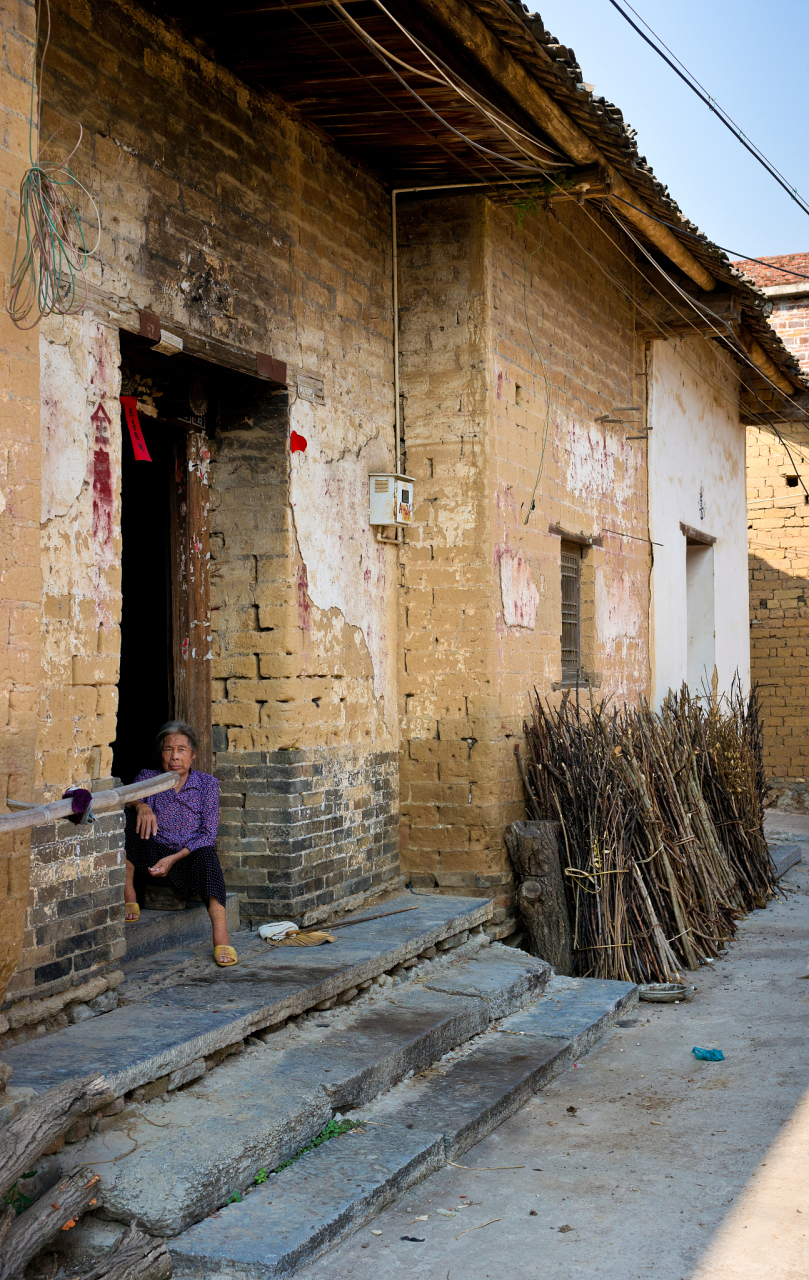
(571, 611)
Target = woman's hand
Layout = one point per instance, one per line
(162, 867)
(146, 821)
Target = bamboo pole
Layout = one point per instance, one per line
(37, 815)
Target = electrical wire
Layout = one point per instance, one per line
(382, 54)
(735, 347)
(738, 353)
(411, 119)
(695, 235)
(694, 85)
(488, 156)
(50, 251)
(732, 342)
(725, 333)
(510, 130)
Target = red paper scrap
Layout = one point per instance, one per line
(297, 442)
(130, 407)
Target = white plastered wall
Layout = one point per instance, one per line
(697, 477)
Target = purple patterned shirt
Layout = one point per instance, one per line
(188, 818)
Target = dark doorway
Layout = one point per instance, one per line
(165, 618)
(146, 683)
(166, 636)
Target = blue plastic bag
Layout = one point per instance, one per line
(709, 1055)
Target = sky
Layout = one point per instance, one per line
(752, 58)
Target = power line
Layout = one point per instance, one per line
(688, 78)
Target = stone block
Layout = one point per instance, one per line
(191, 1071)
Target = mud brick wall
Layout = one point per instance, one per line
(19, 492)
(301, 830)
(778, 547)
(480, 613)
(224, 214)
(779, 568)
(75, 925)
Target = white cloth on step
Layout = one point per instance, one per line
(277, 930)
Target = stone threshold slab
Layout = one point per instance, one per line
(333, 1191)
(202, 1009)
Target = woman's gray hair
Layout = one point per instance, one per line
(174, 726)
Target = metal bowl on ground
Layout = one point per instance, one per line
(664, 992)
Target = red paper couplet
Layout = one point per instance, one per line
(130, 406)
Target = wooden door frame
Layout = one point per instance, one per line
(190, 590)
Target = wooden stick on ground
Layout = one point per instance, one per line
(55, 1211)
(344, 924)
(44, 1120)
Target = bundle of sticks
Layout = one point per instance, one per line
(662, 843)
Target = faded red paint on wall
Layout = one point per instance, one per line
(102, 477)
(304, 607)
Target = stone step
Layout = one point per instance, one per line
(158, 931)
(178, 1007)
(207, 1141)
(330, 1192)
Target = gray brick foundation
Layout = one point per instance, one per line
(302, 830)
(75, 922)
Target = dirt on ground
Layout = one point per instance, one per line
(640, 1161)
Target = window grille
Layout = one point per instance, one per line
(571, 611)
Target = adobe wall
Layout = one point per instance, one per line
(481, 609)
(778, 525)
(19, 494)
(226, 216)
(778, 520)
(80, 538)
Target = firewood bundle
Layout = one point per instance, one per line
(26, 1230)
(662, 844)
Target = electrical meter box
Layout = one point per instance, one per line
(391, 499)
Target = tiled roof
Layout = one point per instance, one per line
(554, 66)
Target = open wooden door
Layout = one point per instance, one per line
(190, 592)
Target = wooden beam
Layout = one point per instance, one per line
(793, 409)
(660, 318)
(762, 361)
(479, 41)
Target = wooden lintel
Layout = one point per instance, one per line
(693, 536)
(123, 315)
(582, 539)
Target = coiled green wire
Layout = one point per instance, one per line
(50, 253)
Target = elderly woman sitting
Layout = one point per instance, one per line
(172, 835)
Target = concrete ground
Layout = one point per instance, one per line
(641, 1161)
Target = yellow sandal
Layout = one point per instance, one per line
(225, 956)
(132, 912)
